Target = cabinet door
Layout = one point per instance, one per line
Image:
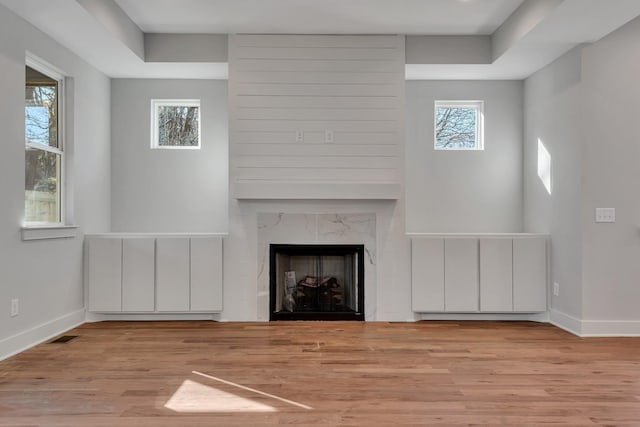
(105, 275)
(138, 275)
(496, 270)
(427, 275)
(461, 275)
(529, 274)
(172, 279)
(206, 274)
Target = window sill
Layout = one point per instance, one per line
(41, 232)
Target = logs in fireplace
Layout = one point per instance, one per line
(316, 282)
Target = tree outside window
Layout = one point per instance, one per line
(458, 125)
(175, 123)
(43, 148)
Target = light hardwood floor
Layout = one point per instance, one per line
(323, 373)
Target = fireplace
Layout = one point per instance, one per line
(316, 282)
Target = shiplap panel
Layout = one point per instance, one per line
(343, 162)
(314, 102)
(283, 86)
(324, 114)
(318, 66)
(317, 89)
(325, 174)
(369, 139)
(321, 78)
(307, 149)
(388, 126)
(251, 190)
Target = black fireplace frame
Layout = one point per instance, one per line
(315, 250)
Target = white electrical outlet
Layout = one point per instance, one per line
(605, 215)
(556, 289)
(299, 136)
(15, 309)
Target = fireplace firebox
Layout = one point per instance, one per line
(316, 282)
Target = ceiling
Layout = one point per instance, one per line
(520, 36)
(320, 16)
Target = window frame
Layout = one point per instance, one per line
(155, 134)
(56, 74)
(477, 105)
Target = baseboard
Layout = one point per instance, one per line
(610, 328)
(102, 317)
(531, 317)
(595, 328)
(566, 322)
(24, 340)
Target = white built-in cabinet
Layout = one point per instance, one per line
(105, 274)
(460, 275)
(154, 274)
(487, 274)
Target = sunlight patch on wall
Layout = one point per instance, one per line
(544, 166)
(193, 397)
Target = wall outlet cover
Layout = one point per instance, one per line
(605, 215)
(15, 309)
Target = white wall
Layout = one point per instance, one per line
(552, 115)
(611, 252)
(584, 108)
(168, 190)
(465, 191)
(46, 275)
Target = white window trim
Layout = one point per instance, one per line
(52, 230)
(155, 104)
(42, 232)
(478, 106)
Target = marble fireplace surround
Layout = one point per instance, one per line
(314, 228)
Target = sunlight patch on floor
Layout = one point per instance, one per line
(253, 390)
(194, 397)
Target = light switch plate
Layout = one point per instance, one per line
(328, 136)
(605, 215)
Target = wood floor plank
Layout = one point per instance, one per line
(323, 373)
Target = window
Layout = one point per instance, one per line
(44, 156)
(458, 125)
(175, 123)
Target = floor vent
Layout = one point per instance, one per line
(63, 339)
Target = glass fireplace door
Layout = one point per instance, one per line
(319, 282)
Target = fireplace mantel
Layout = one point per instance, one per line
(315, 191)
